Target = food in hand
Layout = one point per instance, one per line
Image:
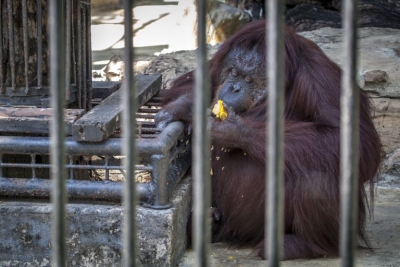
(219, 110)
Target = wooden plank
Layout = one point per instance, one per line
(33, 120)
(33, 97)
(101, 122)
(104, 89)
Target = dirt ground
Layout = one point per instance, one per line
(383, 230)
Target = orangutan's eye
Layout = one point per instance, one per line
(234, 72)
(248, 79)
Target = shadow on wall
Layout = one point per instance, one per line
(161, 26)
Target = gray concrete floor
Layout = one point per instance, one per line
(383, 230)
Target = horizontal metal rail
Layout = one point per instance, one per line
(87, 190)
(162, 144)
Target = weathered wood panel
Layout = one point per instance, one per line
(32, 120)
(101, 122)
(102, 90)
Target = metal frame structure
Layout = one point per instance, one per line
(349, 139)
(59, 148)
(77, 56)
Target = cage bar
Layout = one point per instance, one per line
(11, 43)
(73, 36)
(84, 57)
(89, 65)
(349, 137)
(1, 161)
(39, 43)
(107, 170)
(201, 146)
(80, 52)
(25, 36)
(68, 49)
(71, 171)
(160, 177)
(2, 88)
(33, 163)
(58, 172)
(130, 150)
(274, 189)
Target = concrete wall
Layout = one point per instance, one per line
(94, 233)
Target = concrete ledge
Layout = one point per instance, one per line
(94, 233)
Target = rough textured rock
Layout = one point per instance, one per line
(379, 53)
(387, 122)
(306, 15)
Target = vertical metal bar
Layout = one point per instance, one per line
(89, 60)
(2, 88)
(107, 170)
(84, 59)
(74, 43)
(160, 166)
(33, 162)
(71, 170)
(80, 47)
(274, 189)
(58, 172)
(1, 162)
(25, 34)
(39, 43)
(349, 137)
(68, 51)
(11, 42)
(129, 102)
(201, 145)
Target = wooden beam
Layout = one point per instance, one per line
(101, 122)
(33, 120)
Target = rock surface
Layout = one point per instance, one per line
(222, 21)
(306, 15)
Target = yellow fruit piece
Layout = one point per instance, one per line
(219, 110)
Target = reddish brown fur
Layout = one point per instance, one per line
(312, 138)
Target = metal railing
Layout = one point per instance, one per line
(201, 137)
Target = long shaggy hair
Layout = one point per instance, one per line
(312, 151)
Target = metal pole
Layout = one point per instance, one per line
(349, 137)
(25, 34)
(129, 148)
(160, 167)
(39, 42)
(89, 60)
(201, 145)
(68, 50)
(58, 171)
(2, 87)
(84, 57)
(79, 53)
(274, 189)
(11, 43)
